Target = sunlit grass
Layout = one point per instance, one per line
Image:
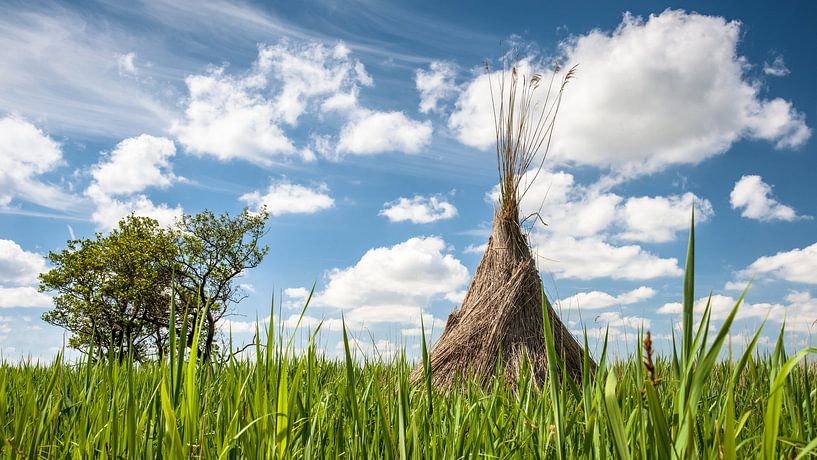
(279, 404)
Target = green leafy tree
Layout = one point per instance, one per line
(213, 252)
(114, 291)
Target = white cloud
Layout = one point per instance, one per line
(614, 319)
(755, 198)
(599, 299)
(286, 198)
(801, 312)
(244, 115)
(18, 266)
(735, 285)
(23, 297)
(340, 102)
(658, 219)
(419, 209)
(582, 221)
(296, 293)
(136, 164)
(26, 153)
(373, 132)
(796, 266)
(433, 327)
(619, 329)
(435, 84)
(20, 269)
(475, 248)
(721, 306)
(309, 70)
(592, 257)
(227, 118)
(394, 284)
(567, 208)
(576, 210)
(110, 210)
(776, 68)
(456, 297)
(229, 326)
(236, 116)
(472, 120)
(126, 64)
(653, 93)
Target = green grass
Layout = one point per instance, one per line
(691, 404)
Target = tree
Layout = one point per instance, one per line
(212, 252)
(114, 291)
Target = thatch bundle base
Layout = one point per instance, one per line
(500, 319)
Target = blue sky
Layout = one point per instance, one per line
(363, 128)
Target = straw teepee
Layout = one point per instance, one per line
(501, 317)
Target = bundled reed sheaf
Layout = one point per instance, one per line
(500, 323)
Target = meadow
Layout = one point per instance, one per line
(698, 402)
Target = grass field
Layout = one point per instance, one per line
(694, 403)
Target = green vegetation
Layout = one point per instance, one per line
(278, 404)
(113, 292)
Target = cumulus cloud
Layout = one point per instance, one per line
(754, 198)
(26, 153)
(19, 270)
(801, 311)
(296, 293)
(23, 297)
(653, 93)
(227, 118)
(245, 115)
(372, 132)
(286, 198)
(110, 210)
(576, 210)
(721, 306)
(136, 164)
(658, 219)
(18, 266)
(797, 266)
(599, 299)
(592, 257)
(435, 326)
(394, 284)
(585, 225)
(241, 116)
(309, 70)
(616, 326)
(419, 209)
(475, 248)
(568, 209)
(435, 84)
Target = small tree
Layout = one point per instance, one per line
(114, 291)
(213, 252)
